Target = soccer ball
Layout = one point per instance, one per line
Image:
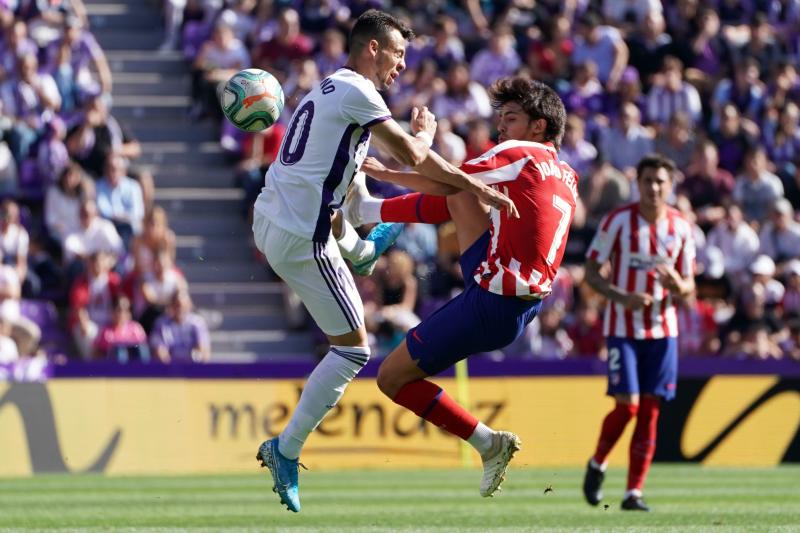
(252, 100)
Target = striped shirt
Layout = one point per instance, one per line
(635, 246)
(524, 253)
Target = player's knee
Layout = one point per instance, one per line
(387, 382)
(630, 409)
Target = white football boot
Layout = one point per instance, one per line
(495, 462)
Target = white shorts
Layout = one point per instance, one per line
(316, 272)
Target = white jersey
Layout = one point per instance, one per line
(324, 146)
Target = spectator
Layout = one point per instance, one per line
(13, 47)
(288, 45)
(745, 92)
(757, 189)
(180, 335)
(122, 338)
(677, 142)
(791, 297)
(239, 16)
(628, 142)
(52, 156)
(24, 331)
(780, 235)
(737, 241)
(649, 45)
(449, 145)
(96, 234)
(417, 88)
(756, 343)
(546, 338)
(548, 59)
(699, 331)
(478, 139)
(585, 95)
(8, 348)
(463, 100)
(85, 56)
(602, 45)
(732, 139)
(763, 271)
(782, 142)
(446, 48)
(31, 98)
(579, 153)
(498, 59)
(62, 202)
(155, 236)
(14, 243)
(761, 45)
(173, 20)
(586, 332)
(219, 59)
(710, 53)
(158, 286)
(332, 55)
(90, 301)
(672, 94)
(397, 296)
(120, 200)
(630, 12)
(97, 136)
(707, 185)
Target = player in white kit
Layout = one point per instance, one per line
(324, 145)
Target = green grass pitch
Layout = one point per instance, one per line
(684, 499)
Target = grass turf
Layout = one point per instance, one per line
(684, 499)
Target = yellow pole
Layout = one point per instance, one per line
(462, 396)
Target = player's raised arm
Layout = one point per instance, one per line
(414, 151)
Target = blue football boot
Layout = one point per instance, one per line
(383, 235)
(284, 473)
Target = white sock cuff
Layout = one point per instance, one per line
(355, 354)
(633, 492)
(481, 438)
(370, 210)
(600, 467)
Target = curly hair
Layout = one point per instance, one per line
(537, 99)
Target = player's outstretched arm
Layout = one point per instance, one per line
(409, 179)
(406, 149)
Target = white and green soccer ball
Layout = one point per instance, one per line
(252, 99)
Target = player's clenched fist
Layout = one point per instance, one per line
(422, 120)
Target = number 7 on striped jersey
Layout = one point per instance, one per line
(566, 214)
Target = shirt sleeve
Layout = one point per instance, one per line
(364, 107)
(603, 242)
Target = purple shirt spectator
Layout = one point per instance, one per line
(497, 60)
(180, 339)
(601, 52)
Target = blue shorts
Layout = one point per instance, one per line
(475, 321)
(642, 366)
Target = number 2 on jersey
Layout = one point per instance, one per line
(563, 207)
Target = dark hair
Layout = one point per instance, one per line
(656, 161)
(537, 99)
(374, 24)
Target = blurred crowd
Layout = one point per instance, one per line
(712, 84)
(88, 261)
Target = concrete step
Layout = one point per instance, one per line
(133, 61)
(120, 16)
(200, 201)
(121, 38)
(247, 294)
(187, 175)
(261, 342)
(197, 248)
(208, 224)
(255, 317)
(173, 129)
(207, 271)
(181, 152)
(176, 106)
(150, 83)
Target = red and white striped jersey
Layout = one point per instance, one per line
(635, 246)
(525, 253)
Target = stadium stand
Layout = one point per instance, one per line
(713, 84)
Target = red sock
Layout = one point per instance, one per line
(432, 403)
(415, 207)
(613, 426)
(643, 443)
